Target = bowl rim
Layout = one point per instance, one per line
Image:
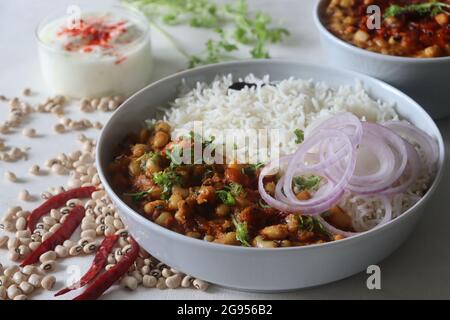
(205, 244)
(348, 46)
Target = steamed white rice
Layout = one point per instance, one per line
(290, 104)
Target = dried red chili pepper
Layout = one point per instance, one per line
(107, 279)
(98, 264)
(63, 233)
(56, 202)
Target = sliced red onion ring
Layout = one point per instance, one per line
(370, 187)
(410, 133)
(316, 205)
(413, 167)
(387, 217)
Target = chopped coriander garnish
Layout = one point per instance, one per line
(300, 136)
(226, 197)
(251, 168)
(308, 223)
(307, 183)
(166, 180)
(138, 196)
(241, 232)
(175, 155)
(228, 194)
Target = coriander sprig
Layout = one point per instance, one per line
(431, 8)
(235, 26)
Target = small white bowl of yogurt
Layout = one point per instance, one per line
(103, 53)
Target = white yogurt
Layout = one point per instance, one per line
(107, 53)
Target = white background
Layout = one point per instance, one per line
(419, 269)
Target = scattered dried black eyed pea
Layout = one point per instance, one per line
(149, 281)
(166, 272)
(48, 256)
(18, 277)
(161, 266)
(26, 287)
(88, 234)
(10, 176)
(156, 273)
(122, 232)
(187, 281)
(48, 282)
(13, 291)
(129, 282)
(35, 280)
(200, 284)
(161, 284)
(4, 281)
(20, 297)
(48, 266)
(69, 244)
(3, 241)
(174, 281)
(90, 247)
(29, 270)
(61, 251)
(75, 250)
(34, 245)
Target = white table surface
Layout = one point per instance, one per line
(419, 269)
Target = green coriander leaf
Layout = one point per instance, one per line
(307, 183)
(241, 232)
(300, 136)
(166, 180)
(226, 197)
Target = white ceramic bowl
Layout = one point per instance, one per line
(427, 80)
(253, 268)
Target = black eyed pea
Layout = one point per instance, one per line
(13, 255)
(129, 282)
(46, 235)
(161, 284)
(88, 219)
(111, 259)
(35, 237)
(26, 287)
(13, 291)
(109, 230)
(100, 220)
(90, 204)
(149, 281)
(166, 272)
(100, 230)
(35, 280)
(75, 250)
(34, 245)
(88, 226)
(23, 214)
(187, 281)
(89, 234)
(65, 210)
(40, 225)
(18, 277)
(200, 284)
(126, 249)
(13, 243)
(49, 220)
(69, 244)
(10, 271)
(48, 256)
(156, 273)
(84, 241)
(137, 275)
(118, 255)
(23, 250)
(74, 202)
(48, 266)
(118, 224)
(122, 232)
(139, 263)
(161, 265)
(20, 297)
(174, 281)
(145, 270)
(29, 270)
(123, 242)
(54, 227)
(90, 247)
(109, 266)
(61, 251)
(2, 293)
(109, 220)
(23, 234)
(21, 223)
(48, 282)
(55, 214)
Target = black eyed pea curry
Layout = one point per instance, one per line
(214, 202)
